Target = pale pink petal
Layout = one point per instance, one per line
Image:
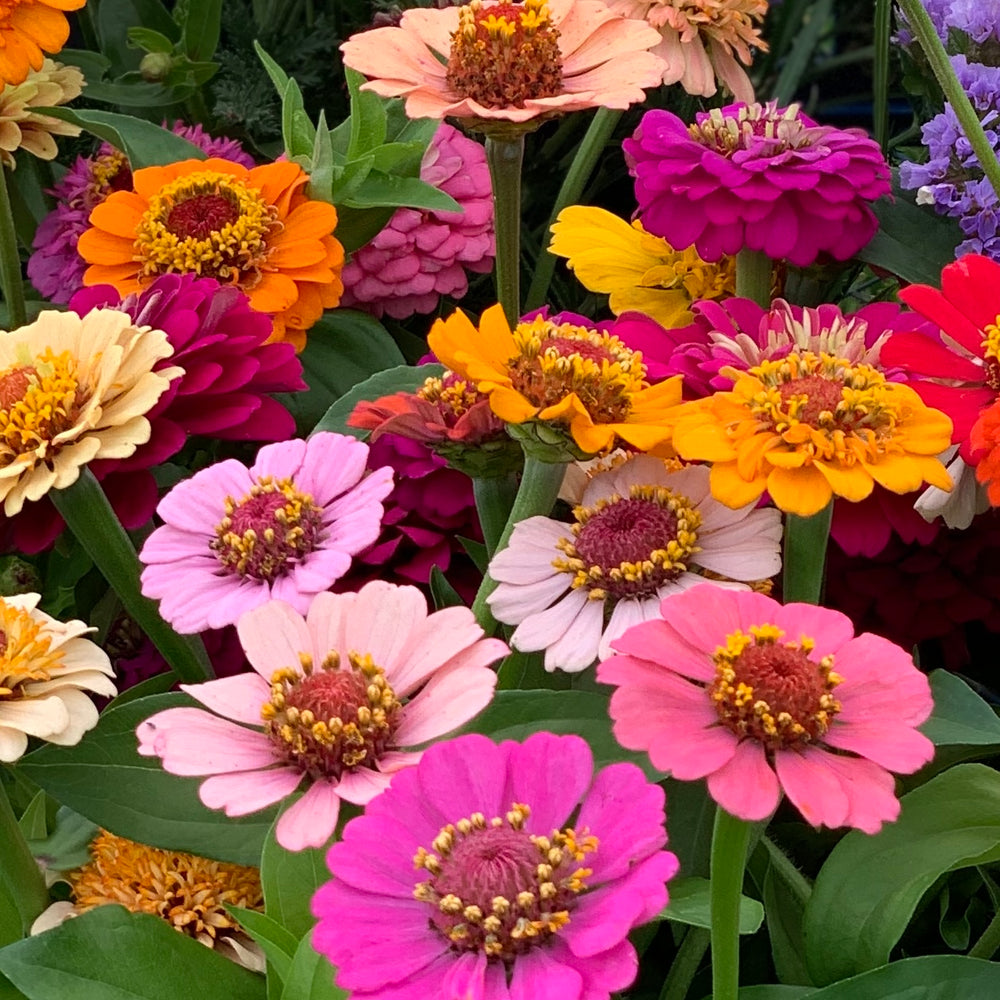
(449, 699)
(198, 504)
(627, 612)
(811, 787)
(248, 792)
(746, 786)
(381, 622)
(311, 821)
(273, 636)
(541, 630)
(576, 649)
(280, 461)
(238, 698)
(361, 785)
(513, 603)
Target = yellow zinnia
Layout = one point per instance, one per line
(573, 377)
(638, 271)
(808, 427)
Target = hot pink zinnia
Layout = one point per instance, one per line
(757, 177)
(335, 697)
(761, 699)
(435, 884)
(233, 538)
(420, 256)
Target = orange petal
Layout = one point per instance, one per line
(310, 220)
(698, 440)
(802, 491)
(510, 406)
(118, 216)
(274, 294)
(277, 182)
(98, 247)
(296, 254)
(730, 488)
(851, 482)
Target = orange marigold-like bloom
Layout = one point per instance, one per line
(251, 228)
(985, 439)
(27, 29)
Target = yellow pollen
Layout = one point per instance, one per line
(457, 397)
(105, 169)
(26, 656)
(991, 355)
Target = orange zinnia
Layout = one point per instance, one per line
(251, 228)
(27, 29)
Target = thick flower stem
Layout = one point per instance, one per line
(86, 511)
(504, 155)
(537, 493)
(753, 276)
(685, 965)
(880, 87)
(494, 499)
(601, 128)
(806, 539)
(919, 20)
(730, 839)
(21, 880)
(10, 261)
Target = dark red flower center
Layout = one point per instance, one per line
(201, 215)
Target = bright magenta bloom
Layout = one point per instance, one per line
(496, 829)
(335, 697)
(761, 699)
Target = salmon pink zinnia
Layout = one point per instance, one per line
(761, 699)
(335, 697)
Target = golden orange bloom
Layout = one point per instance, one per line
(27, 29)
(251, 228)
(587, 382)
(808, 427)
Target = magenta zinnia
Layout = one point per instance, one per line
(335, 698)
(761, 699)
(497, 872)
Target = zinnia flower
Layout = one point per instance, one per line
(810, 427)
(643, 531)
(421, 255)
(530, 872)
(45, 667)
(985, 438)
(73, 390)
(23, 128)
(335, 698)
(27, 27)
(233, 538)
(636, 270)
(561, 374)
(702, 40)
(762, 699)
(757, 177)
(508, 62)
(251, 228)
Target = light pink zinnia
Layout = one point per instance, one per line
(233, 538)
(762, 699)
(563, 55)
(335, 697)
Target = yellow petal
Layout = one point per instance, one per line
(802, 491)
(851, 482)
(730, 488)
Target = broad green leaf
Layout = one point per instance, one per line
(867, 890)
(388, 190)
(784, 928)
(8, 991)
(68, 846)
(775, 992)
(32, 821)
(311, 977)
(132, 91)
(200, 28)
(368, 118)
(359, 226)
(399, 158)
(402, 378)
(521, 671)
(104, 779)
(348, 180)
(444, 594)
(278, 944)
(111, 954)
(149, 40)
(289, 879)
(690, 903)
(278, 76)
(960, 716)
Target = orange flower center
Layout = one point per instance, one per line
(498, 890)
(38, 402)
(328, 721)
(772, 691)
(505, 54)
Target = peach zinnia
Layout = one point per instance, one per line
(253, 228)
(508, 61)
(27, 29)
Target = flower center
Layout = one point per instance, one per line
(267, 531)
(209, 224)
(760, 130)
(772, 691)
(684, 269)
(452, 395)
(497, 889)
(25, 654)
(505, 54)
(108, 172)
(37, 403)
(553, 361)
(630, 547)
(329, 721)
(991, 356)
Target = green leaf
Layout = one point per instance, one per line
(400, 158)
(311, 977)
(297, 130)
(321, 177)
(784, 928)
(104, 779)
(68, 846)
(368, 117)
(960, 716)
(32, 821)
(444, 594)
(356, 227)
(869, 887)
(200, 28)
(388, 190)
(278, 944)
(775, 992)
(690, 903)
(690, 819)
(289, 879)
(347, 180)
(278, 76)
(149, 41)
(131, 91)
(402, 378)
(111, 954)
(113, 20)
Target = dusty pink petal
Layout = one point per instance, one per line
(746, 786)
(238, 698)
(898, 748)
(831, 629)
(705, 615)
(685, 751)
(660, 642)
(240, 794)
(449, 699)
(311, 821)
(273, 636)
(396, 760)
(551, 794)
(361, 785)
(381, 622)
(537, 976)
(811, 787)
(870, 790)
(658, 682)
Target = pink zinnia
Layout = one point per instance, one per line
(421, 255)
(435, 883)
(756, 177)
(761, 699)
(233, 538)
(335, 697)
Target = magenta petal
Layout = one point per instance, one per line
(464, 776)
(537, 976)
(746, 786)
(603, 974)
(552, 793)
(310, 822)
(466, 978)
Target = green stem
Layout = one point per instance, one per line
(600, 130)
(686, 964)
(730, 838)
(504, 155)
(10, 261)
(806, 539)
(21, 879)
(988, 944)
(86, 511)
(537, 493)
(753, 276)
(920, 22)
(494, 499)
(880, 88)
(799, 886)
